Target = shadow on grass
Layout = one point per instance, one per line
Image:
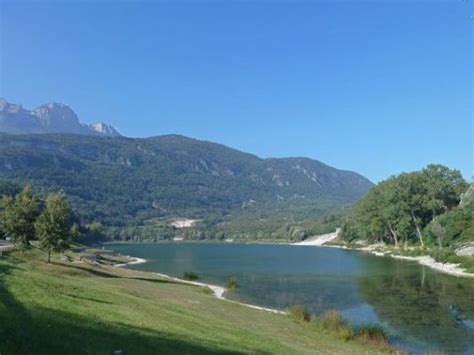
(45, 331)
(96, 271)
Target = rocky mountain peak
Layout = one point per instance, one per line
(104, 129)
(52, 117)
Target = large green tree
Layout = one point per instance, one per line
(19, 215)
(54, 227)
(401, 207)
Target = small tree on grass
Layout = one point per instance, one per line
(53, 227)
(19, 215)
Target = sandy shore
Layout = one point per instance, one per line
(446, 268)
(218, 291)
(133, 262)
(319, 240)
(451, 269)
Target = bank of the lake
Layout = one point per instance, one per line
(404, 297)
(453, 269)
(74, 307)
(218, 291)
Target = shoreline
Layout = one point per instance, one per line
(423, 260)
(217, 291)
(135, 261)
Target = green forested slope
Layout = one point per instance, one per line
(141, 182)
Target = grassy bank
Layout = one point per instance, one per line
(75, 307)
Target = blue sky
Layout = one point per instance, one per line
(377, 87)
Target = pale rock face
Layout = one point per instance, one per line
(58, 118)
(48, 118)
(104, 129)
(183, 223)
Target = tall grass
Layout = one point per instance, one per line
(372, 334)
(333, 322)
(299, 313)
(190, 276)
(232, 284)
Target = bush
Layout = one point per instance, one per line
(333, 322)
(413, 252)
(190, 276)
(444, 255)
(232, 284)
(299, 313)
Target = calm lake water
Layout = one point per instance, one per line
(421, 308)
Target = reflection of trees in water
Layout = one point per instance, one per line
(318, 293)
(422, 303)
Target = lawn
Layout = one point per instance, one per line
(78, 308)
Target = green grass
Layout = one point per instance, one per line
(71, 308)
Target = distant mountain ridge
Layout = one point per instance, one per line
(136, 187)
(137, 181)
(48, 118)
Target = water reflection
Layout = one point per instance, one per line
(421, 304)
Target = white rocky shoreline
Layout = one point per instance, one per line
(447, 268)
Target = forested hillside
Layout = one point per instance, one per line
(142, 184)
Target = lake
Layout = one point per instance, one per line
(423, 310)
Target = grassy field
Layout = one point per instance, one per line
(73, 307)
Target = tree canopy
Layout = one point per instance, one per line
(400, 208)
(53, 227)
(19, 215)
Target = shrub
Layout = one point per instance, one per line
(232, 284)
(190, 276)
(443, 255)
(299, 313)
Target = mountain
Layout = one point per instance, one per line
(48, 118)
(125, 182)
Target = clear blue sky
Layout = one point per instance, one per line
(377, 87)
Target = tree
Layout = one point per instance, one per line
(444, 188)
(9, 188)
(467, 198)
(19, 215)
(412, 193)
(53, 227)
(401, 207)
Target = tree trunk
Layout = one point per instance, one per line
(49, 256)
(418, 231)
(394, 234)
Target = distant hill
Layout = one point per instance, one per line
(124, 182)
(48, 118)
